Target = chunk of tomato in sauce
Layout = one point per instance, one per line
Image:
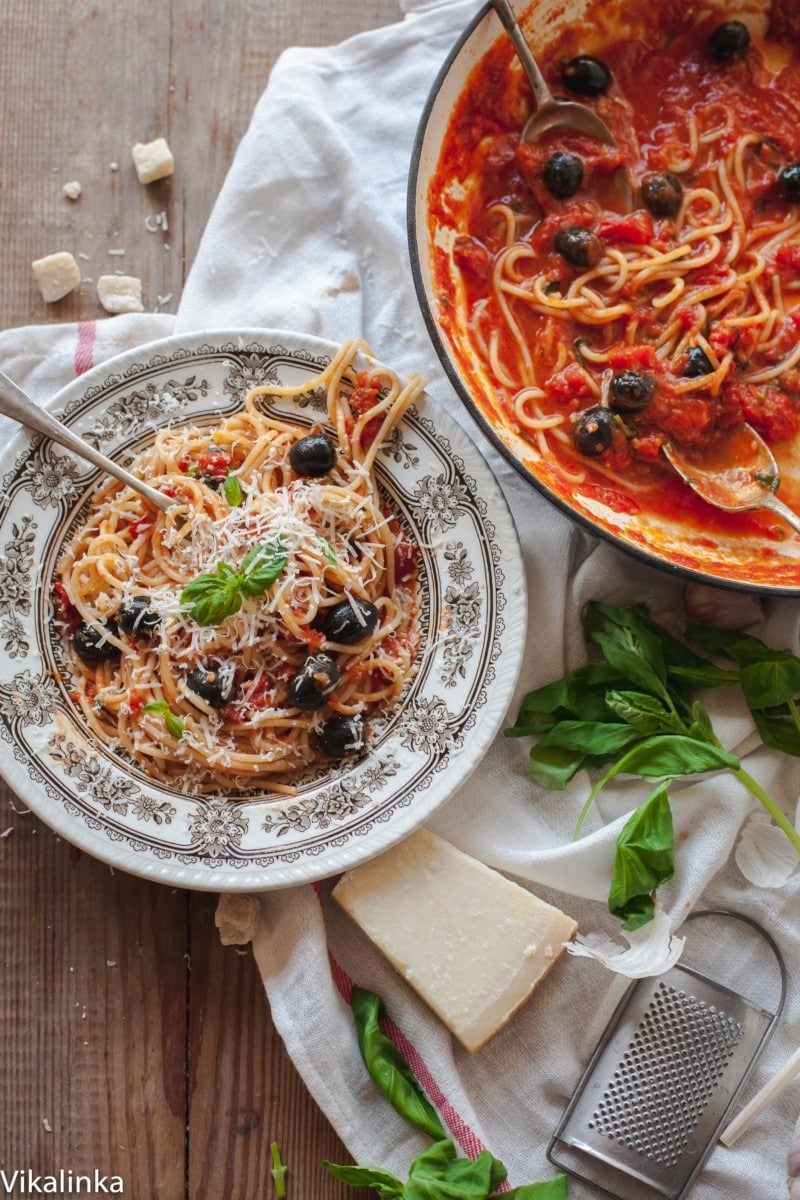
(214, 462)
(771, 412)
(364, 395)
(472, 257)
(635, 229)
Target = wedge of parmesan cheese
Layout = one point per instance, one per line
(473, 944)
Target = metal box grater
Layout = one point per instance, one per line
(658, 1089)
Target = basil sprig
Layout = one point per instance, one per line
(633, 713)
(439, 1173)
(209, 599)
(232, 490)
(389, 1069)
(172, 723)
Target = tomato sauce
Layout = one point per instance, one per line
(702, 302)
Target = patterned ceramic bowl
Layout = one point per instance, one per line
(473, 619)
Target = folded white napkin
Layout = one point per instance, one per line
(309, 233)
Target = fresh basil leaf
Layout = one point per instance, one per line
(708, 676)
(439, 1174)
(778, 729)
(601, 739)
(741, 648)
(627, 644)
(701, 727)
(645, 713)
(173, 725)
(232, 490)
(367, 1177)
(552, 767)
(580, 694)
(389, 1069)
(209, 599)
(672, 754)
(771, 682)
(676, 652)
(262, 565)
(644, 859)
(550, 1189)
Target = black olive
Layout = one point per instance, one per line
(788, 182)
(214, 685)
(728, 41)
(213, 481)
(594, 431)
(351, 621)
(317, 677)
(135, 617)
(313, 455)
(662, 193)
(585, 75)
(579, 246)
(341, 735)
(563, 175)
(631, 390)
(697, 363)
(92, 645)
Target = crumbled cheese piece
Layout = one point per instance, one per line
(72, 189)
(56, 274)
(120, 293)
(113, 166)
(473, 944)
(236, 918)
(153, 160)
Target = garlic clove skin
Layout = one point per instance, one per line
(706, 605)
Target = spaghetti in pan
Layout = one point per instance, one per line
(256, 628)
(597, 333)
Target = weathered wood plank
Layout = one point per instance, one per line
(99, 1053)
(92, 1015)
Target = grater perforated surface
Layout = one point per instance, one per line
(673, 1059)
(667, 1075)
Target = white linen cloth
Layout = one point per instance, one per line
(309, 234)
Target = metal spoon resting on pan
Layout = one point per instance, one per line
(16, 404)
(550, 113)
(738, 475)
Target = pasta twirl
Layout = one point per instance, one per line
(204, 695)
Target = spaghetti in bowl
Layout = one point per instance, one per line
(275, 679)
(584, 338)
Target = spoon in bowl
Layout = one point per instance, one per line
(739, 474)
(18, 405)
(551, 113)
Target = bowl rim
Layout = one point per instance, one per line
(416, 239)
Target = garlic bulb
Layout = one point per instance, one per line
(706, 605)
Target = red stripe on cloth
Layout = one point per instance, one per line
(84, 351)
(466, 1137)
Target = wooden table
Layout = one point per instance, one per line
(131, 1041)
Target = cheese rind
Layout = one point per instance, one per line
(472, 943)
(56, 274)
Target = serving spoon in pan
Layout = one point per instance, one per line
(551, 113)
(739, 474)
(18, 405)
